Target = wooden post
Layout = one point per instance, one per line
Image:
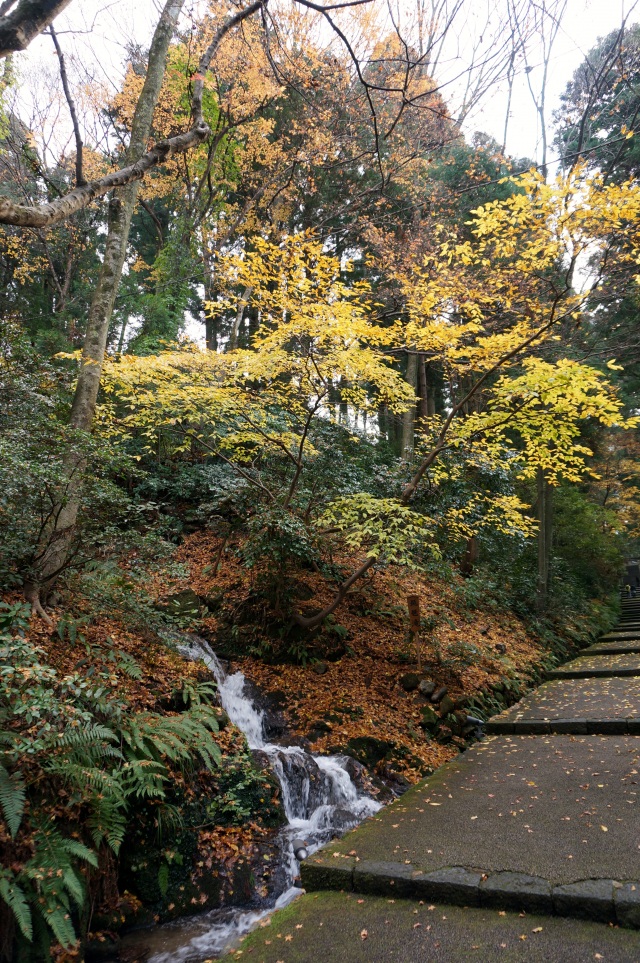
(413, 603)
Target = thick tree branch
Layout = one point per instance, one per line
(22, 215)
(19, 26)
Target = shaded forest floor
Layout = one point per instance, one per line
(351, 685)
(354, 689)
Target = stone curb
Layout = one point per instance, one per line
(628, 649)
(629, 637)
(571, 727)
(594, 673)
(603, 900)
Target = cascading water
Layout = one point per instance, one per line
(320, 801)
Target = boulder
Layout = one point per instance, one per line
(367, 750)
(439, 694)
(426, 687)
(446, 705)
(357, 773)
(342, 821)
(409, 681)
(181, 605)
(430, 718)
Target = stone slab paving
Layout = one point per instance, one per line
(351, 928)
(575, 706)
(610, 648)
(542, 822)
(593, 666)
(559, 808)
(626, 631)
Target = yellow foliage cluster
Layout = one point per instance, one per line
(479, 308)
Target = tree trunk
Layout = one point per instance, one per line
(423, 389)
(409, 417)
(545, 529)
(121, 209)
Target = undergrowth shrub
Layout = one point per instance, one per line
(74, 763)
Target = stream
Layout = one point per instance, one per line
(320, 802)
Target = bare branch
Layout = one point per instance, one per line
(80, 181)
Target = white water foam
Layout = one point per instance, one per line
(320, 801)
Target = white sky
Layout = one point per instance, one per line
(97, 32)
(584, 22)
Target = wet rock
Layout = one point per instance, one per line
(409, 681)
(307, 783)
(278, 698)
(275, 723)
(342, 821)
(261, 759)
(357, 773)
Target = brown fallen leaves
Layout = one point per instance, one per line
(360, 691)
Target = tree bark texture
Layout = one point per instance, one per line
(409, 417)
(121, 209)
(545, 531)
(19, 26)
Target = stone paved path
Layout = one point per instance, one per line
(352, 928)
(541, 817)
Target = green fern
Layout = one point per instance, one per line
(69, 734)
(163, 878)
(14, 896)
(12, 799)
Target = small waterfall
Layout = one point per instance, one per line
(320, 801)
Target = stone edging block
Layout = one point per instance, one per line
(626, 898)
(517, 891)
(603, 900)
(589, 899)
(578, 727)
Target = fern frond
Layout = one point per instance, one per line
(60, 923)
(143, 778)
(82, 777)
(107, 821)
(86, 735)
(12, 799)
(75, 848)
(74, 887)
(13, 895)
